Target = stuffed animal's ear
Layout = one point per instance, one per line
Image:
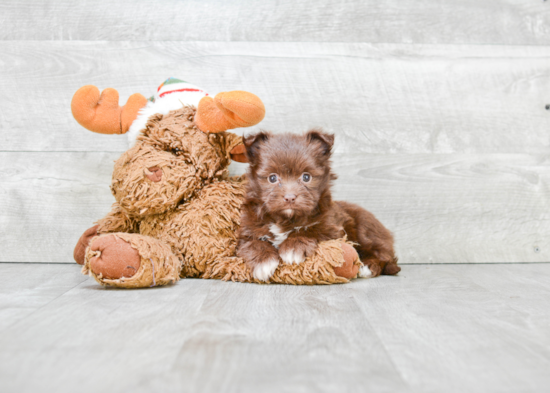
(324, 140)
(233, 146)
(253, 143)
(238, 153)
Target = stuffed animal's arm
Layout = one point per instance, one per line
(117, 221)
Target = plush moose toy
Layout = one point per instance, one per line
(177, 209)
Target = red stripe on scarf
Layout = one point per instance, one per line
(173, 91)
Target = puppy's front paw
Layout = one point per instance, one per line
(260, 256)
(296, 250)
(264, 270)
(292, 257)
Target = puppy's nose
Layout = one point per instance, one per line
(290, 198)
(154, 173)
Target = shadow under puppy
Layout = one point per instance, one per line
(288, 208)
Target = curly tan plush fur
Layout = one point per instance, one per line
(158, 265)
(178, 211)
(319, 269)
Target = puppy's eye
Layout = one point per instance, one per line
(175, 151)
(273, 178)
(306, 177)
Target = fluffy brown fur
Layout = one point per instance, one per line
(289, 209)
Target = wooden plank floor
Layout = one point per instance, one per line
(433, 328)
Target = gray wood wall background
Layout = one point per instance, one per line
(438, 107)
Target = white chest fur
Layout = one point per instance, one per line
(278, 235)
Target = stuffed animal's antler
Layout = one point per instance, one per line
(101, 113)
(229, 110)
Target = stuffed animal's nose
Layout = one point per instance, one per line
(154, 173)
(290, 198)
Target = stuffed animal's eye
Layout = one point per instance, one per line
(176, 151)
(273, 178)
(306, 177)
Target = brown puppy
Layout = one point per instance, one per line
(288, 208)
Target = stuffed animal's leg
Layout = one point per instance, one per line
(130, 260)
(350, 267)
(334, 261)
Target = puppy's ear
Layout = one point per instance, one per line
(324, 140)
(253, 144)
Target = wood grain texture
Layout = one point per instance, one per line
(103, 337)
(280, 338)
(421, 21)
(455, 208)
(48, 200)
(376, 98)
(441, 208)
(471, 328)
(27, 287)
(475, 328)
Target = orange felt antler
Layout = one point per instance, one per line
(101, 113)
(229, 110)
